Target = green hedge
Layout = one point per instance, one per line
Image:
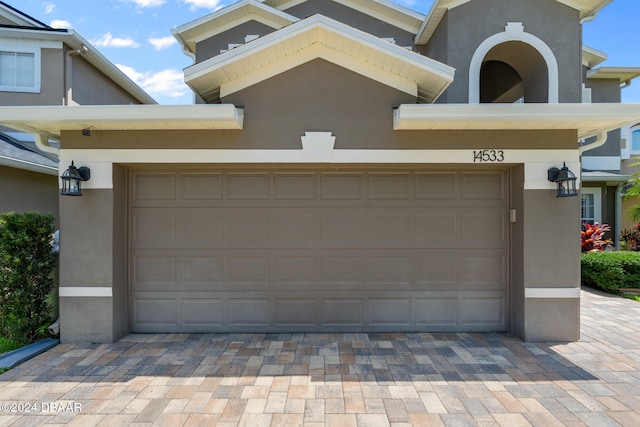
(611, 271)
(26, 275)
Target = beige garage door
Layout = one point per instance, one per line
(348, 249)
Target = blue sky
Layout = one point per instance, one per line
(136, 35)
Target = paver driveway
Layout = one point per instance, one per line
(340, 379)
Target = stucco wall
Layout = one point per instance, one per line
(92, 87)
(211, 47)
(353, 18)
(555, 24)
(24, 191)
(51, 86)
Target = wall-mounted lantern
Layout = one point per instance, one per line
(72, 179)
(565, 179)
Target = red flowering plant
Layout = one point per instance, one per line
(631, 237)
(593, 237)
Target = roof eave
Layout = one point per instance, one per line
(52, 120)
(587, 119)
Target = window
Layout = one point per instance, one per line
(591, 205)
(635, 140)
(19, 69)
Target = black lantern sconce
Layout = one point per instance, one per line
(565, 179)
(72, 179)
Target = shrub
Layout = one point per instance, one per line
(593, 237)
(26, 275)
(631, 237)
(611, 271)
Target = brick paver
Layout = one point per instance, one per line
(345, 379)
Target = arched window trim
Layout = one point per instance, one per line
(514, 31)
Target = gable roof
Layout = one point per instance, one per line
(226, 18)
(588, 10)
(20, 18)
(387, 11)
(319, 37)
(76, 42)
(29, 28)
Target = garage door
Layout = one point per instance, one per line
(347, 249)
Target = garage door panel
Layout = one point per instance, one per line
(295, 186)
(200, 186)
(314, 250)
(342, 186)
(437, 185)
(247, 186)
(154, 186)
(483, 185)
(389, 185)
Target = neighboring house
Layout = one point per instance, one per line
(630, 156)
(342, 171)
(40, 65)
(605, 168)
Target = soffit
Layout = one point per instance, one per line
(75, 41)
(319, 37)
(391, 13)
(227, 18)
(587, 9)
(50, 121)
(622, 74)
(592, 57)
(588, 119)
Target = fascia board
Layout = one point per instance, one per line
(309, 31)
(19, 17)
(410, 23)
(588, 119)
(51, 120)
(98, 60)
(623, 74)
(205, 27)
(75, 41)
(28, 166)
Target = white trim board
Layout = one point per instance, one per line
(552, 293)
(85, 291)
(101, 160)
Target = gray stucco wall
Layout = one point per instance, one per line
(353, 18)
(51, 86)
(211, 47)
(86, 260)
(551, 21)
(92, 87)
(25, 191)
(606, 91)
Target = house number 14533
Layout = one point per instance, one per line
(488, 156)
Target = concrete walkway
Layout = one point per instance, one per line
(339, 379)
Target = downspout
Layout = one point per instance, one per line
(601, 139)
(618, 229)
(43, 144)
(626, 84)
(68, 73)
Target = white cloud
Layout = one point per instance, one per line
(108, 40)
(168, 82)
(48, 7)
(208, 4)
(147, 3)
(162, 42)
(60, 23)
